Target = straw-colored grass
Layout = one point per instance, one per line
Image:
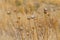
(29, 19)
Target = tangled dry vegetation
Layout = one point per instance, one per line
(29, 19)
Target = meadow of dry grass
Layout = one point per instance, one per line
(29, 19)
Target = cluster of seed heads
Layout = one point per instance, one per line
(31, 17)
(45, 10)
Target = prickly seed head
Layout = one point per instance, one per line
(18, 17)
(45, 10)
(27, 34)
(28, 18)
(32, 16)
(8, 12)
(32, 27)
(21, 28)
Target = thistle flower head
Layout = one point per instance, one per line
(8, 12)
(28, 18)
(33, 16)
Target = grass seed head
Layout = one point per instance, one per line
(32, 16)
(45, 10)
(28, 18)
(8, 12)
